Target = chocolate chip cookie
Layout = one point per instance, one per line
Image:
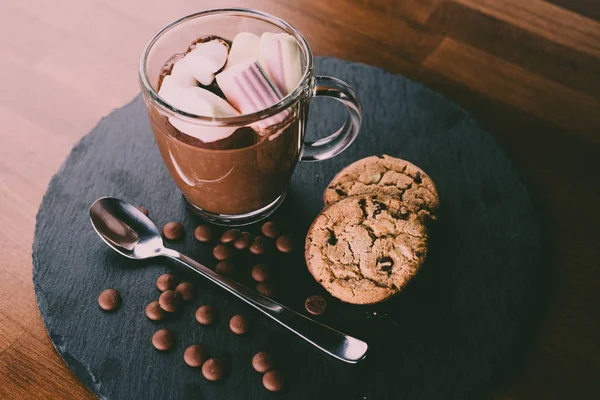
(365, 248)
(386, 175)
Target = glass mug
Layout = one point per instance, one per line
(242, 178)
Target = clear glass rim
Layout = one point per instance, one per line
(241, 119)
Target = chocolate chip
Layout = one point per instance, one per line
(154, 312)
(172, 231)
(270, 229)
(362, 203)
(340, 192)
(238, 324)
(332, 240)
(285, 243)
(186, 290)
(204, 233)
(225, 268)
(273, 381)
(379, 207)
(205, 315)
(143, 209)
(230, 235)
(223, 252)
(316, 305)
(418, 179)
(195, 355)
(259, 245)
(262, 362)
(385, 264)
(402, 213)
(109, 300)
(261, 272)
(266, 289)
(169, 300)
(166, 282)
(163, 339)
(244, 241)
(213, 369)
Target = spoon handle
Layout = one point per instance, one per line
(332, 342)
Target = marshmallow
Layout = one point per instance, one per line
(206, 59)
(197, 101)
(280, 58)
(247, 87)
(245, 46)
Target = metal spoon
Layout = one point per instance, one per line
(129, 232)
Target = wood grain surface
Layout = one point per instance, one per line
(528, 69)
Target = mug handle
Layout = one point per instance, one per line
(337, 142)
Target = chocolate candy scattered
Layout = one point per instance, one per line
(204, 233)
(270, 230)
(213, 369)
(195, 355)
(162, 339)
(186, 290)
(154, 312)
(223, 252)
(261, 272)
(266, 289)
(225, 268)
(143, 209)
(259, 245)
(109, 300)
(230, 235)
(244, 241)
(262, 362)
(238, 324)
(316, 305)
(273, 381)
(166, 282)
(172, 231)
(285, 243)
(169, 300)
(205, 315)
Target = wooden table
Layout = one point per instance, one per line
(529, 69)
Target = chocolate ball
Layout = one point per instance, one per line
(225, 268)
(223, 252)
(143, 209)
(166, 282)
(186, 290)
(285, 243)
(195, 355)
(169, 300)
(109, 300)
(205, 315)
(243, 242)
(261, 272)
(270, 229)
(266, 289)
(213, 369)
(259, 245)
(262, 362)
(154, 312)
(163, 339)
(230, 235)
(316, 305)
(172, 231)
(238, 324)
(273, 381)
(204, 233)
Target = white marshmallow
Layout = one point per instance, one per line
(245, 46)
(280, 58)
(206, 59)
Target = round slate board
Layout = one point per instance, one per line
(445, 336)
